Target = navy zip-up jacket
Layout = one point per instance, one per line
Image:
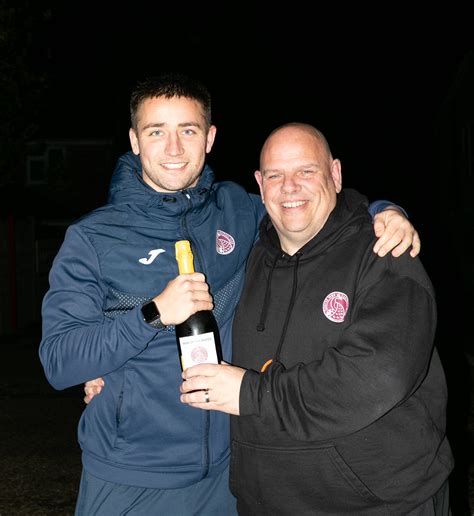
(137, 432)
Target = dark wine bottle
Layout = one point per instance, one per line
(198, 337)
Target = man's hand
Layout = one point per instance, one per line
(212, 387)
(92, 387)
(183, 296)
(396, 234)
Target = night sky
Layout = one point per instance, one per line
(372, 81)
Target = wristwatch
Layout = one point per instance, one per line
(151, 315)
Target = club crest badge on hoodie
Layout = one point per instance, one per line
(335, 306)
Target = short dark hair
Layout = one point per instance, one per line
(170, 85)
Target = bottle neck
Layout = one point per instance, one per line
(185, 263)
(184, 257)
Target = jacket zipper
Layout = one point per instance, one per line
(199, 267)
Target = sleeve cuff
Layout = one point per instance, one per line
(379, 206)
(248, 399)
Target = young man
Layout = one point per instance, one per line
(341, 396)
(115, 296)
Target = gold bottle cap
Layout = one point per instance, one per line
(184, 256)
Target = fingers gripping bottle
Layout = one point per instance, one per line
(198, 337)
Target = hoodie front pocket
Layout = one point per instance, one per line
(304, 480)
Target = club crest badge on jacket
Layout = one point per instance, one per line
(225, 243)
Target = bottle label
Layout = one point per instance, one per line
(198, 349)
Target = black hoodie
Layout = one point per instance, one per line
(350, 416)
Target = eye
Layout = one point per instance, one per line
(189, 132)
(272, 177)
(307, 173)
(157, 132)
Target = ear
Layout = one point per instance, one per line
(134, 141)
(211, 134)
(336, 174)
(259, 178)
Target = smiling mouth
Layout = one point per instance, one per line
(174, 166)
(293, 204)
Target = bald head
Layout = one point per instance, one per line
(291, 131)
(298, 180)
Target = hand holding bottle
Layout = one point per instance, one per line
(182, 297)
(186, 303)
(213, 387)
(197, 337)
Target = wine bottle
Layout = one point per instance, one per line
(198, 337)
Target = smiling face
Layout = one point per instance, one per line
(298, 180)
(172, 140)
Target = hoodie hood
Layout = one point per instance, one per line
(350, 211)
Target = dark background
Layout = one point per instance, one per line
(375, 80)
(373, 86)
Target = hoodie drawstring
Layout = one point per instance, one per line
(290, 307)
(266, 302)
(266, 299)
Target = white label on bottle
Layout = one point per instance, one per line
(198, 349)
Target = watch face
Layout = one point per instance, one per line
(150, 312)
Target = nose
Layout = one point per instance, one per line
(289, 184)
(174, 146)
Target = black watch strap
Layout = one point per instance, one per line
(151, 315)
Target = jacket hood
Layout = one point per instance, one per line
(127, 185)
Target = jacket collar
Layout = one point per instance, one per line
(127, 187)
